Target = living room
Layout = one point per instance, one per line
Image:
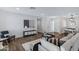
(26, 26)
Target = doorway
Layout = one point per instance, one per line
(39, 25)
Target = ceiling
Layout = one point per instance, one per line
(42, 11)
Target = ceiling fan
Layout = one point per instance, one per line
(32, 8)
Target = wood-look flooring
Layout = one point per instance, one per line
(17, 44)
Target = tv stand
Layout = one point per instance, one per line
(29, 33)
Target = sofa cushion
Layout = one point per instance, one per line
(70, 35)
(75, 47)
(62, 48)
(41, 48)
(49, 46)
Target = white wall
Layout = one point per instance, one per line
(2, 22)
(47, 24)
(53, 24)
(14, 22)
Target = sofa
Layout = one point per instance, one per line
(45, 45)
(70, 45)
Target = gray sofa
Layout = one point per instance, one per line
(71, 43)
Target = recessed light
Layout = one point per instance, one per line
(17, 8)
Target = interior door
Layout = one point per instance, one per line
(39, 26)
(52, 25)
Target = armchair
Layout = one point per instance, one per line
(4, 34)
